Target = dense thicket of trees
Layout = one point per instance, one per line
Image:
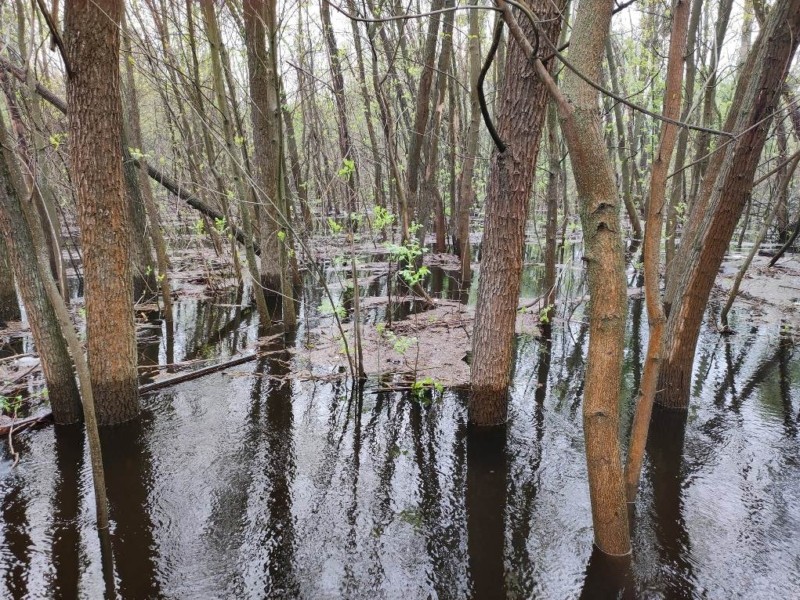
(275, 129)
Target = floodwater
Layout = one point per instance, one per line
(246, 484)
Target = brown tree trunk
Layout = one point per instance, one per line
(337, 79)
(605, 264)
(652, 246)
(56, 363)
(466, 189)
(95, 123)
(422, 112)
(9, 305)
(700, 256)
(520, 122)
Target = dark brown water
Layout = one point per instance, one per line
(247, 485)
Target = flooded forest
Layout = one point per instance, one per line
(365, 299)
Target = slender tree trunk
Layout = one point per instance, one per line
(466, 189)
(95, 123)
(151, 208)
(422, 112)
(677, 196)
(9, 305)
(520, 122)
(56, 364)
(701, 255)
(652, 246)
(622, 149)
(265, 116)
(551, 230)
(236, 159)
(345, 143)
(605, 264)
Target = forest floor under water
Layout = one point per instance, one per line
(271, 479)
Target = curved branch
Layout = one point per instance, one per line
(487, 118)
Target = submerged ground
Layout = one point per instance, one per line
(250, 483)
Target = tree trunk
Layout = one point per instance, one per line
(605, 263)
(700, 256)
(423, 108)
(9, 305)
(520, 122)
(466, 189)
(47, 338)
(337, 79)
(652, 246)
(95, 123)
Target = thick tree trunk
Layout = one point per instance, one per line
(520, 122)
(47, 338)
(605, 263)
(700, 256)
(95, 123)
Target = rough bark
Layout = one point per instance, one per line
(56, 363)
(95, 123)
(520, 122)
(701, 255)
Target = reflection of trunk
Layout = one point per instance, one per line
(487, 469)
(520, 123)
(17, 543)
(65, 536)
(95, 123)
(127, 460)
(700, 254)
(665, 450)
(608, 577)
(785, 351)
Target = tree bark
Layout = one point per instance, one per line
(47, 338)
(95, 123)
(520, 122)
(700, 256)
